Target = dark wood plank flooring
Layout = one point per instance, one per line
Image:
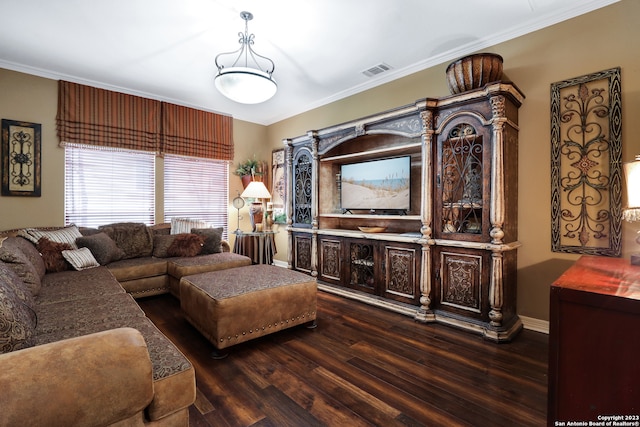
(362, 366)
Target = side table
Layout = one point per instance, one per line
(260, 246)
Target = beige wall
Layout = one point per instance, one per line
(33, 99)
(599, 40)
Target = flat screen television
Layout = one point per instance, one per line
(382, 184)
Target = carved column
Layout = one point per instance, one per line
(288, 158)
(426, 215)
(315, 191)
(497, 170)
(496, 290)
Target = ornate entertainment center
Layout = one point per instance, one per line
(449, 254)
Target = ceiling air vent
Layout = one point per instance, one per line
(377, 69)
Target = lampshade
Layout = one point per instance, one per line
(245, 85)
(256, 190)
(246, 81)
(632, 175)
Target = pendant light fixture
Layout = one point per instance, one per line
(245, 81)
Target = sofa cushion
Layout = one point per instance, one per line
(17, 320)
(103, 248)
(80, 259)
(137, 268)
(212, 239)
(133, 238)
(67, 234)
(72, 285)
(87, 310)
(19, 263)
(179, 267)
(51, 253)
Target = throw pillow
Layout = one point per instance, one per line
(212, 239)
(184, 225)
(80, 259)
(30, 252)
(161, 243)
(52, 255)
(135, 239)
(19, 263)
(17, 321)
(185, 245)
(67, 234)
(103, 248)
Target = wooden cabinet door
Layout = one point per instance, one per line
(302, 252)
(362, 265)
(303, 176)
(462, 284)
(330, 264)
(462, 181)
(400, 268)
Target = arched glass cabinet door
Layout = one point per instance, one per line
(302, 189)
(462, 177)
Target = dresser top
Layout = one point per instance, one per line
(602, 275)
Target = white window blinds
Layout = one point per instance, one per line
(105, 185)
(196, 188)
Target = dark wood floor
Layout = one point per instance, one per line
(362, 366)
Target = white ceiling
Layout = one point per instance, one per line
(165, 49)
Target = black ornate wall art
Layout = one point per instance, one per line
(21, 143)
(586, 151)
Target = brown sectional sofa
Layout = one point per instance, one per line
(89, 355)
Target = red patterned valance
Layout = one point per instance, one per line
(88, 115)
(190, 132)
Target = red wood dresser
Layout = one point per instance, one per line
(594, 343)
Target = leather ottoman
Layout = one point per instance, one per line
(239, 304)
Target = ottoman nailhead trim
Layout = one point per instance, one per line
(269, 326)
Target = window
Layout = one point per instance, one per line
(106, 185)
(196, 188)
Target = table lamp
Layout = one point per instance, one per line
(258, 192)
(632, 212)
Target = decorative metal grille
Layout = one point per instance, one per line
(462, 181)
(361, 256)
(302, 178)
(586, 148)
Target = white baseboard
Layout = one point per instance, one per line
(280, 263)
(534, 324)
